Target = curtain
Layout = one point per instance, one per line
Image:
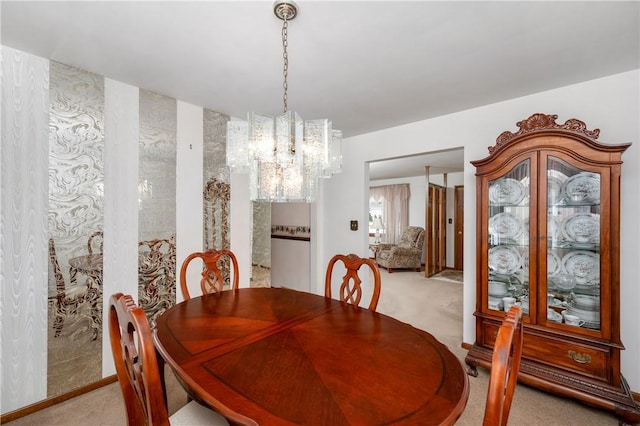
(395, 209)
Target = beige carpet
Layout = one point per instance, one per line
(433, 305)
(449, 275)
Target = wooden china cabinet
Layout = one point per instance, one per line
(548, 222)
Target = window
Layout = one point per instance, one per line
(375, 210)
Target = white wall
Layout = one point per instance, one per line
(290, 259)
(121, 112)
(189, 186)
(610, 104)
(24, 200)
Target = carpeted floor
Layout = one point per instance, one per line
(449, 275)
(434, 305)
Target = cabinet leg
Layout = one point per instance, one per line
(472, 370)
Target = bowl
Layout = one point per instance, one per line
(498, 288)
(564, 281)
(588, 303)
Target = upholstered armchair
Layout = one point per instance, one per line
(406, 254)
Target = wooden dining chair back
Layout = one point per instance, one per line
(505, 365)
(216, 273)
(351, 285)
(68, 299)
(138, 370)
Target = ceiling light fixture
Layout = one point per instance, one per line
(284, 155)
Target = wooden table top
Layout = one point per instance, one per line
(284, 357)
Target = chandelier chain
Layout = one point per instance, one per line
(285, 56)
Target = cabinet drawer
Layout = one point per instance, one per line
(584, 359)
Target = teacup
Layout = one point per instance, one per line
(508, 302)
(573, 320)
(577, 196)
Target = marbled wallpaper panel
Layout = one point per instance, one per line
(75, 212)
(76, 159)
(216, 178)
(157, 166)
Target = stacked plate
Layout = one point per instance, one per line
(582, 188)
(504, 260)
(587, 308)
(581, 228)
(584, 266)
(506, 191)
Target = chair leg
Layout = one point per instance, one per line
(58, 322)
(163, 380)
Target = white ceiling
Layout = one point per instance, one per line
(367, 65)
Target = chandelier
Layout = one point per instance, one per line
(283, 155)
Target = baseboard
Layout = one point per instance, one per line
(49, 402)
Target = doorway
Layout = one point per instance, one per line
(436, 231)
(458, 223)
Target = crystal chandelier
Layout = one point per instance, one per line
(284, 155)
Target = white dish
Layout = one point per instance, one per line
(553, 316)
(495, 303)
(504, 259)
(590, 316)
(582, 188)
(590, 287)
(555, 302)
(554, 264)
(588, 303)
(554, 190)
(582, 228)
(583, 265)
(505, 226)
(497, 288)
(506, 191)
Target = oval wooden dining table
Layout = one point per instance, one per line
(275, 356)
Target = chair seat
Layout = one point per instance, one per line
(194, 414)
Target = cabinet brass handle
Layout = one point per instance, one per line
(580, 358)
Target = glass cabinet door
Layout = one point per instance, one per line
(573, 245)
(508, 257)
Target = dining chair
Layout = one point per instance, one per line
(215, 272)
(69, 299)
(407, 254)
(505, 365)
(350, 287)
(139, 374)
